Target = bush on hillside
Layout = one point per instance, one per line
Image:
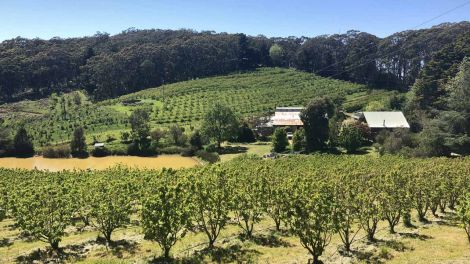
(142, 148)
(196, 140)
(210, 157)
(56, 152)
(100, 152)
(188, 152)
(298, 140)
(280, 141)
(245, 134)
(172, 150)
(211, 148)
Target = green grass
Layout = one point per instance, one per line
(259, 149)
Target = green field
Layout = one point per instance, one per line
(248, 94)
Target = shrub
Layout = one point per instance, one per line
(56, 152)
(196, 140)
(188, 152)
(23, 144)
(100, 152)
(157, 134)
(142, 148)
(245, 134)
(280, 141)
(350, 137)
(298, 140)
(172, 150)
(211, 148)
(210, 157)
(177, 136)
(125, 136)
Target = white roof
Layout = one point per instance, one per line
(99, 145)
(289, 109)
(287, 116)
(386, 120)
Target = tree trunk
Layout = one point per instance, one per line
(211, 242)
(434, 210)
(107, 236)
(467, 230)
(278, 224)
(166, 253)
(316, 259)
(391, 227)
(422, 216)
(371, 233)
(442, 207)
(54, 245)
(407, 219)
(370, 236)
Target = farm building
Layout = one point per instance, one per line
(383, 120)
(288, 117)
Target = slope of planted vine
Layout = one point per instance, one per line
(249, 94)
(54, 119)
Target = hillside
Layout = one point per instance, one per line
(249, 94)
(109, 66)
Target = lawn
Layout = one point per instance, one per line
(258, 148)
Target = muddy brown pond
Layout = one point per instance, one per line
(40, 163)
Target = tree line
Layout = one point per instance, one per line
(312, 197)
(107, 66)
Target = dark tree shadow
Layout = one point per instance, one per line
(232, 150)
(364, 256)
(118, 247)
(64, 255)
(415, 236)
(234, 253)
(397, 245)
(5, 242)
(269, 241)
(448, 219)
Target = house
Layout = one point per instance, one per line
(383, 120)
(287, 117)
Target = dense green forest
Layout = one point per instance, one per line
(108, 66)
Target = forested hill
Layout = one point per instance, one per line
(107, 66)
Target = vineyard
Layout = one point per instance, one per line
(249, 94)
(320, 207)
(254, 93)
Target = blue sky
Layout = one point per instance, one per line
(67, 18)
